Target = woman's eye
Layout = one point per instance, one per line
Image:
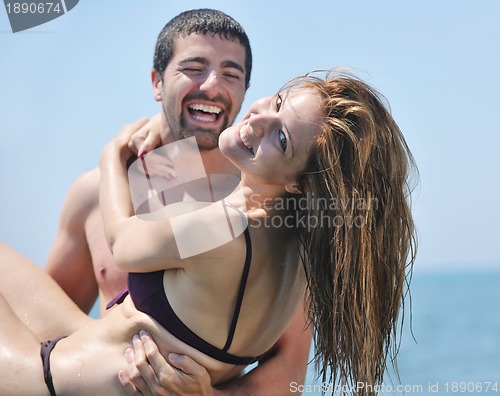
(279, 101)
(283, 140)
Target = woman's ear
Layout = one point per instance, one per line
(292, 188)
(157, 85)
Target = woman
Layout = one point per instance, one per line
(323, 178)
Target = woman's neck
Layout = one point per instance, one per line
(257, 200)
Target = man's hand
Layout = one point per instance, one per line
(149, 374)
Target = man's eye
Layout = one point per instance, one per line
(232, 76)
(279, 101)
(283, 140)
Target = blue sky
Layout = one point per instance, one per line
(68, 86)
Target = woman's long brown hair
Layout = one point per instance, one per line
(357, 236)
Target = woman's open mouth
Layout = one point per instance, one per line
(246, 143)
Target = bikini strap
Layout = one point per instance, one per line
(243, 282)
(241, 291)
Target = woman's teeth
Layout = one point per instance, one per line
(246, 143)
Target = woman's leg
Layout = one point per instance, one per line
(20, 362)
(36, 299)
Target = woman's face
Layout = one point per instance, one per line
(271, 143)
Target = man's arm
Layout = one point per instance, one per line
(69, 261)
(149, 373)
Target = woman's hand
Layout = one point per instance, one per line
(119, 145)
(148, 372)
(147, 138)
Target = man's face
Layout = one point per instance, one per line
(202, 88)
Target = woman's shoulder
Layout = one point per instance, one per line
(200, 230)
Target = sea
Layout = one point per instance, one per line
(451, 342)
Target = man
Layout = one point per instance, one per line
(201, 72)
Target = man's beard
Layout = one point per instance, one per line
(205, 138)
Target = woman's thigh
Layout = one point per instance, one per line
(20, 363)
(35, 298)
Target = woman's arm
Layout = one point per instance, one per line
(174, 232)
(137, 245)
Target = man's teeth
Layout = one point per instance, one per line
(205, 108)
(246, 143)
(201, 118)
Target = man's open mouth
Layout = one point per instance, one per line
(204, 113)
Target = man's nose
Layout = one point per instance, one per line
(211, 85)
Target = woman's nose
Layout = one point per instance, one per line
(260, 105)
(260, 117)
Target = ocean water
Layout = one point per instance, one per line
(456, 344)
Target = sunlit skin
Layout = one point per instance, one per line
(202, 67)
(268, 169)
(88, 359)
(271, 147)
(201, 93)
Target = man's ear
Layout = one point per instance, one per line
(157, 85)
(292, 188)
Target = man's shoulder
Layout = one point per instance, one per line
(83, 195)
(88, 181)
